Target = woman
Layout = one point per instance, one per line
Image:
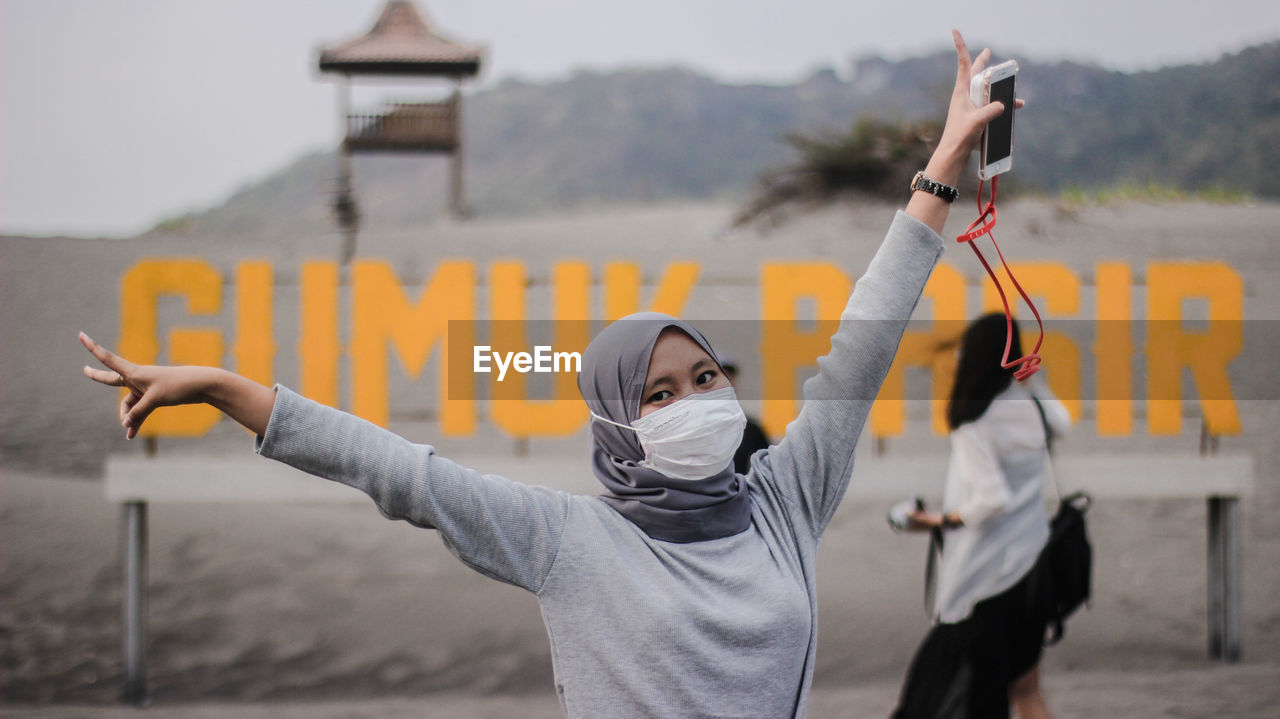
(686, 589)
(984, 651)
(754, 437)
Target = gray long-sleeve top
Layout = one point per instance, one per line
(641, 627)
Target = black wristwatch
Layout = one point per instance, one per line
(921, 183)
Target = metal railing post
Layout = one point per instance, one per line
(1230, 524)
(135, 603)
(1216, 573)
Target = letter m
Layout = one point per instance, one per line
(382, 314)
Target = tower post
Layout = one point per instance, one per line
(457, 203)
(400, 44)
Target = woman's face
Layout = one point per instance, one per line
(678, 367)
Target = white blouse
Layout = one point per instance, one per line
(995, 481)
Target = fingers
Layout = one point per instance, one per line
(133, 412)
(98, 351)
(986, 114)
(989, 112)
(127, 404)
(966, 68)
(107, 377)
(962, 57)
(980, 63)
(119, 364)
(138, 414)
(112, 378)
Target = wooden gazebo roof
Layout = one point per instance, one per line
(401, 43)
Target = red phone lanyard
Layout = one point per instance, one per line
(1028, 363)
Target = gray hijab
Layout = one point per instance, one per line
(614, 368)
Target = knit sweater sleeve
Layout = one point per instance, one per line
(811, 465)
(503, 529)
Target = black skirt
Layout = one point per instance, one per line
(963, 670)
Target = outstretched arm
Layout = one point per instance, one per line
(506, 530)
(151, 387)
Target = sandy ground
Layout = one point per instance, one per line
(332, 611)
(1234, 692)
(297, 606)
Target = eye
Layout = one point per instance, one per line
(707, 377)
(659, 396)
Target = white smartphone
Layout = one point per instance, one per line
(991, 85)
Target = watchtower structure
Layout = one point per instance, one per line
(401, 44)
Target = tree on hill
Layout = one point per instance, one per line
(869, 161)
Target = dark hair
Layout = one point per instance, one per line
(979, 376)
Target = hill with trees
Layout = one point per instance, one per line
(672, 134)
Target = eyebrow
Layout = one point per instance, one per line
(704, 362)
(653, 384)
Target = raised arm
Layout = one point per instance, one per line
(811, 466)
(959, 137)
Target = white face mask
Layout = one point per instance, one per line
(692, 438)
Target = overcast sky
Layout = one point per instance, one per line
(116, 113)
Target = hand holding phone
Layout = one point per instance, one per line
(900, 514)
(996, 146)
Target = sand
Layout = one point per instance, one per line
(333, 611)
(1234, 692)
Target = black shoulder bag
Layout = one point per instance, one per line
(1061, 580)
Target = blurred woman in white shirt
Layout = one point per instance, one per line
(984, 650)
